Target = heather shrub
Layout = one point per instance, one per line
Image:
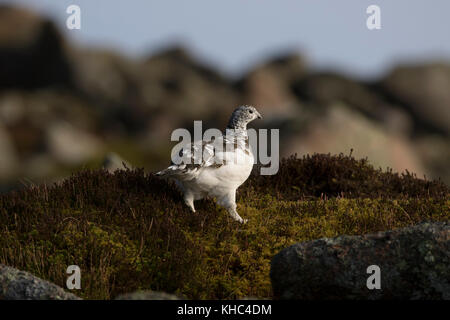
(130, 230)
(340, 175)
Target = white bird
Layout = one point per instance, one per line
(226, 163)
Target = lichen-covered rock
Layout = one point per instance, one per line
(147, 295)
(21, 285)
(414, 264)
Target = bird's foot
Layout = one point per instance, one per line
(191, 207)
(239, 219)
(190, 203)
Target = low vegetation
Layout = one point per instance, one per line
(130, 230)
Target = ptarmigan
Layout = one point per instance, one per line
(226, 163)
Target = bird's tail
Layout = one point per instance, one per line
(161, 173)
(168, 171)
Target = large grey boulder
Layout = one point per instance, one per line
(414, 264)
(8, 158)
(32, 51)
(21, 285)
(342, 128)
(70, 145)
(269, 86)
(423, 90)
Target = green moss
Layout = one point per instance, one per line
(130, 231)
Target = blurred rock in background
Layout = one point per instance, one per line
(64, 108)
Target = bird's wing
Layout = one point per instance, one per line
(205, 154)
(193, 157)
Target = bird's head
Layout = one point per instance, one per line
(242, 115)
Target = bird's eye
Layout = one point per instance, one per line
(250, 111)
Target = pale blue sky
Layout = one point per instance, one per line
(236, 34)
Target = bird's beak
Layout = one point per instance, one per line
(258, 115)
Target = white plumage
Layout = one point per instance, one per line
(226, 163)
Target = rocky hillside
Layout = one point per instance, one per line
(63, 108)
(131, 231)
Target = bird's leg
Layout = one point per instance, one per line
(229, 202)
(232, 211)
(189, 200)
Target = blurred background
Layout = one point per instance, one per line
(137, 70)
